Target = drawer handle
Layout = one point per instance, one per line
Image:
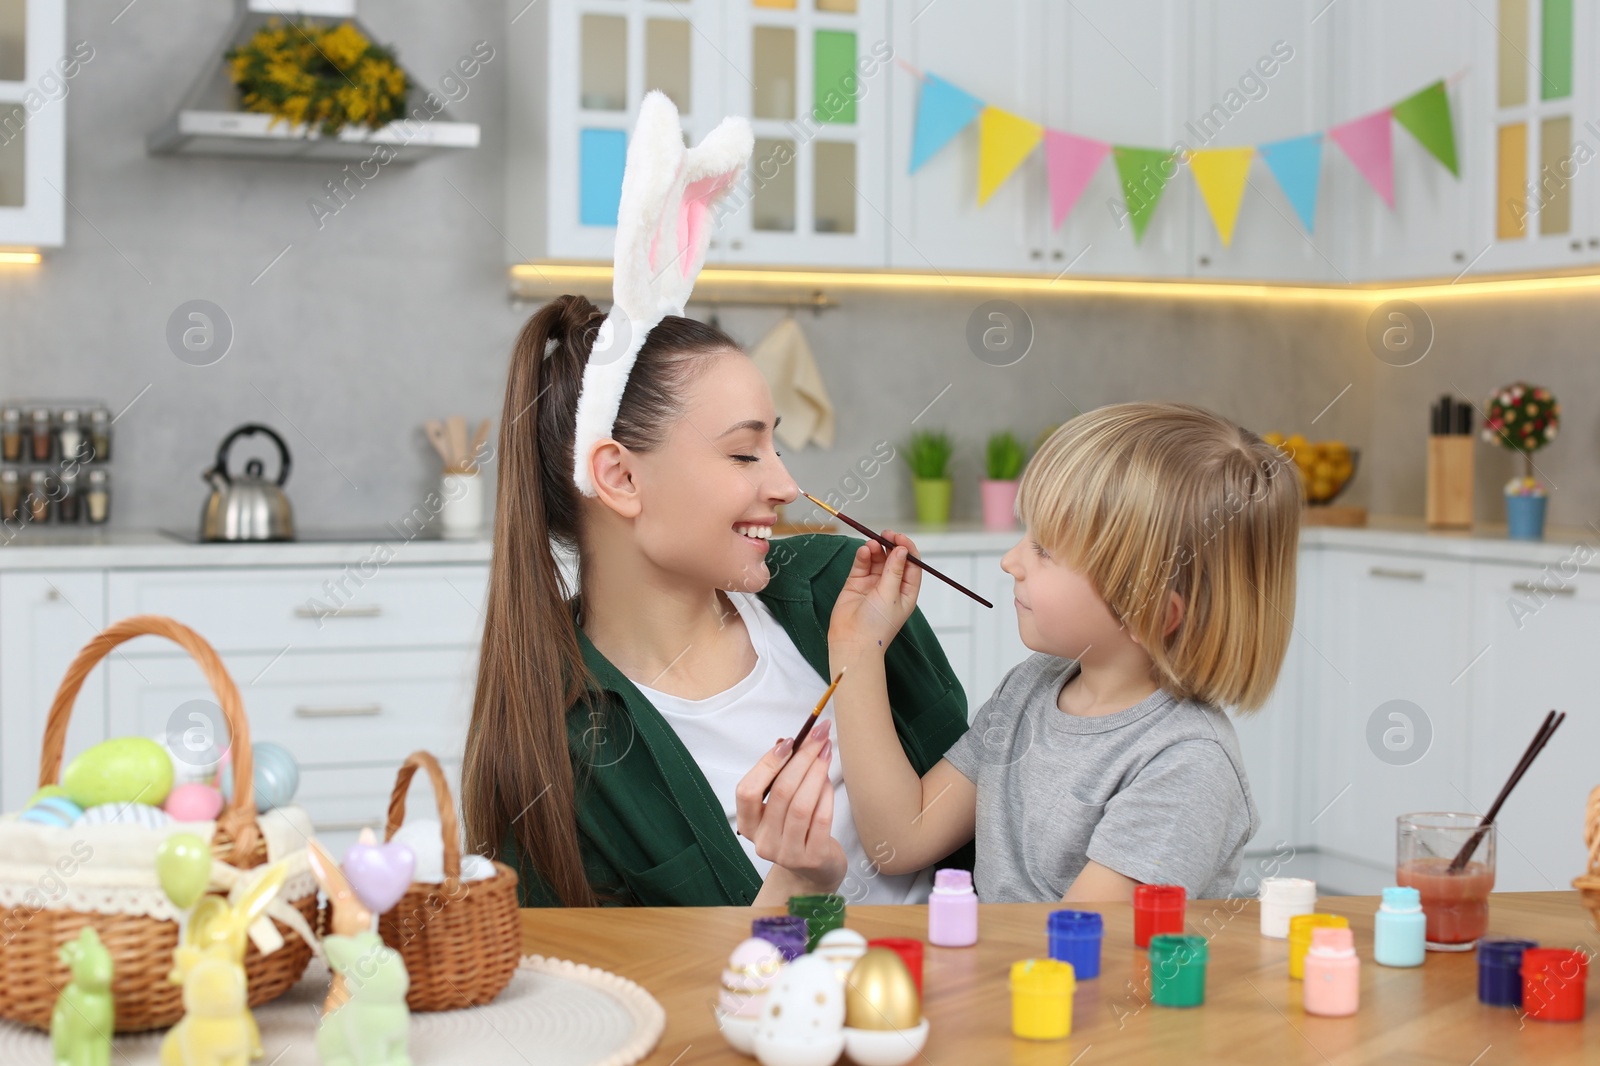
(1405, 575)
(345, 826)
(371, 610)
(1529, 586)
(355, 710)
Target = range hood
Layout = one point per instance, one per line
(209, 122)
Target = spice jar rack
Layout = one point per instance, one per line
(55, 460)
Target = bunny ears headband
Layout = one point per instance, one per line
(663, 227)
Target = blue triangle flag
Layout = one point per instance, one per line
(1297, 164)
(942, 112)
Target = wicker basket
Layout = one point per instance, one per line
(1589, 884)
(31, 971)
(461, 940)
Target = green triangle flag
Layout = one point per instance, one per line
(1144, 173)
(1427, 115)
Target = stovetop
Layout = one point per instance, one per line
(376, 535)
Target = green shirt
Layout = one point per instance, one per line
(651, 830)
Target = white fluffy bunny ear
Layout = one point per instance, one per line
(663, 228)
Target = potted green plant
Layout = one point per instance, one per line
(1523, 418)
(929, 456)
(1003, 464)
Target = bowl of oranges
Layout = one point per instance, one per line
(1326, 467)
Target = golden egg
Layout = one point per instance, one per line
(880, 993)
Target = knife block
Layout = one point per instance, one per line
(1449, 503)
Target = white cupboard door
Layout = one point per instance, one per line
(815, 82)
(1386, 51)
(33, 121)
(1118, 71)
(1392, 734)
(1262, 74)
(1535, 627)
(993, 51)
(45, 620)
(999, 644)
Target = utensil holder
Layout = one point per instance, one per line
(1449, 503)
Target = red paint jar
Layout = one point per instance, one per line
(910, 951)
(1156, 909)
(1553, 981)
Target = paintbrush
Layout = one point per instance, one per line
(805, 730)
(888, 547)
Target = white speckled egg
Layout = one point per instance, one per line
(842, 947)
(802, 1020)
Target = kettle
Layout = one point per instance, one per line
(248, 507)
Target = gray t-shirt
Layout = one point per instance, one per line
(1156, 792)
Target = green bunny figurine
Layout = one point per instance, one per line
(370, 1028)
(82, 1022)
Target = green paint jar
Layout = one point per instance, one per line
(822, 914)
(1178, 970)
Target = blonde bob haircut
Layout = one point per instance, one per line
(1147, 499)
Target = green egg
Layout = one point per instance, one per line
(123, 770)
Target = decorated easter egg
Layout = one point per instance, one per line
(183, 866)
(193, 802)
(802, 1020)
(126, 814)
(750, 971)
(58, 811)
(277, 775)
(842, 947)
(46, 791)
(880, 993)
(121, 770)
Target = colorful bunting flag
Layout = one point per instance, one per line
(1071, 161)
(1369, 142)
(1144, 173)
(1221, 174)
(1427, 115)
(1297, 164)
(942, 112)
(1004, 141)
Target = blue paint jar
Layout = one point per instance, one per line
(1400, 930)
(1500, 971)
(1075, 937)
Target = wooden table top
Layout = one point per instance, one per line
(1252, 1013)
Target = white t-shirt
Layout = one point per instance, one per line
(729, 732)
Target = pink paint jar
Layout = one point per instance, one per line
(1332, 974)
(952, 910)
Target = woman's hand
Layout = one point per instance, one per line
(793, 828)
(878, 596)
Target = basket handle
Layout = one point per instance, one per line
(447, 809)
(239, 818)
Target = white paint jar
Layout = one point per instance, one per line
(1281, 899)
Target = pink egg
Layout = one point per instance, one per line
(194, 802)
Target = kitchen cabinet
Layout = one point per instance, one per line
(35, 72)
(812, 77)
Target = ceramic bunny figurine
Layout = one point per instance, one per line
(217, 1028)
(350, 916)
(81, 1024)
(371, 1027)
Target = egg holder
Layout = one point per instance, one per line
(841, 981)
(118, 893)
(460, 940)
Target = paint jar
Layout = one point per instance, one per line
(1300, 927)
(1332, 974)
(784, 932)
(1156, 909)
(952, 910)
(910, 951)
(1553, 983)
(1041, 999)
(1500, 971)
(1400, 929)
(823, 914)
(1281, 899)
(1075, 937)
(1178, 970)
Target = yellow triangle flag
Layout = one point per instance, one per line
(1221, 174)
(1004, 141)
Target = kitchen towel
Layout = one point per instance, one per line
(798, 393)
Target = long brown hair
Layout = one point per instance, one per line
(518, 781)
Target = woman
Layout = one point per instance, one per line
(611, 729)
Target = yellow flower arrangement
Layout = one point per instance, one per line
(329, 76)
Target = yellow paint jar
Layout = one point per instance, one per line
(1300, 927)
(1041, 999)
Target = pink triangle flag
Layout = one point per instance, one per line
(1071, 161)
(1369, 142)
